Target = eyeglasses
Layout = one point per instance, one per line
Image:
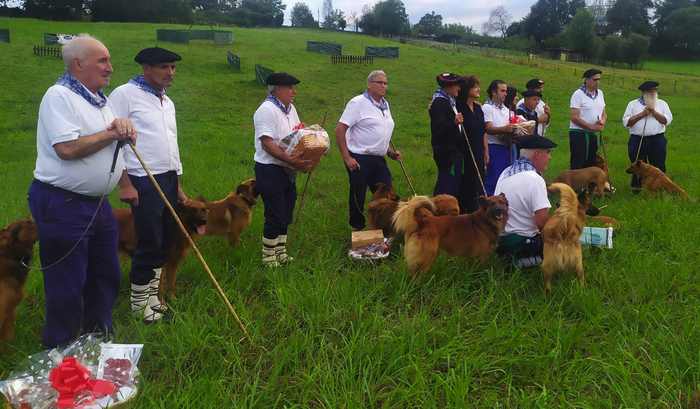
(381, 83)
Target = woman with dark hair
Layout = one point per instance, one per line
(511, 99)
(474, 174)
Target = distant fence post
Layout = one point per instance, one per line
(674, 86)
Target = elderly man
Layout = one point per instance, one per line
(527, 108)
(79, 162)
(145, 102)
(647, 118)
(498, 126)
(276, 118)
(363, 135)
(544, 115)
(587, 117)
(528, 204)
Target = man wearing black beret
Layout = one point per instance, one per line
(544, 115)
(647, 118)
(587, 117)
(276, 118)
(527, 108)
(446, 134)
(144, 100)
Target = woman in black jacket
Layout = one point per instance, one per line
(477, 150)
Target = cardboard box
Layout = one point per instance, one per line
(597, 236)
(363, 238)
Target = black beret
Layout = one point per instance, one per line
(281, 78)
(648, 84)
(447, 79)
(536, 142)
(534, 83)
(531, 93)
(591, 72)
(156, 54)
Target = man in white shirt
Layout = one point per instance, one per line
(587, 117)
(363, 135)
(145, 102)
(276, 118)
(647, 118)
(498, 128)
(78, 163)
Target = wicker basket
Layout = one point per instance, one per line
(309, 143)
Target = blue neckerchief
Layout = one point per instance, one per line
(588, 94)
(442, 94)
(76, 86)
(527, 111)
(521, 165)
(642, 101)
(141, 82)
(383, 106)
(278, 104)
(490, 102)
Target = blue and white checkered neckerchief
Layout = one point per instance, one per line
(490, 102)
(521, 165)
(442, 94)
(76, 86)
(642, 101)
(141, 82)
(588, 94)
(278, 104)
(383, 106)
(526, 109)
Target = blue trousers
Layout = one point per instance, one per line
(653, 152)
(449, 179)
(82, 286)
(279, 195)
(373, 169)
(154, 224)
(500, 157)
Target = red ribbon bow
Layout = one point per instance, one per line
(71, 378)
(300, 126)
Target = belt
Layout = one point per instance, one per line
(76, 196)
(649, 136)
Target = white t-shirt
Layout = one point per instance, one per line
(271, 121)
(498, 117)
(653, 127)
(526, 193)
(156, 130)
(590, 110)
(370, 128)
(65, 116)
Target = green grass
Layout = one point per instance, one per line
(333, 333)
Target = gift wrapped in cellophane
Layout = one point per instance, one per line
(309, 142)
(523, 129)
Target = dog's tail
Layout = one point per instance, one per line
(407, 217)
(569, 201)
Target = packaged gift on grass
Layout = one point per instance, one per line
(310, 142)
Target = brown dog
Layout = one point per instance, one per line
(231, 216)
(192, 215)
(560, 235)
(474, 234)
(16, 250)
(655, 180)
(584, 178)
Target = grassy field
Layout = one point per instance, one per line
(333, 333)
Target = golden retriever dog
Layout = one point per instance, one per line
(655, 180)
(588, 178)
(192, 215)
(16, 250)
(231, 215)
(474, 234)
(560, 235)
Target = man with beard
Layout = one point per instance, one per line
(647, 118)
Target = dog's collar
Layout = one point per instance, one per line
(24, 260)
(248, 201)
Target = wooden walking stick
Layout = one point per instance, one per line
(644, 129)
(194, 247)
(476, 166)
(393, 148)
(605, 156)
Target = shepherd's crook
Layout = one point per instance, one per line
(196, 250)
(476, 165)
(393, 148)
(605, 156)
(644, 129)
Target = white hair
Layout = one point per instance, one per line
(78, 47)
(528, 153)
(272, 88)
(374, 74)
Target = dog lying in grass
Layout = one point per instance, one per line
(16, 250)
(560, 235)
(475, 234)
(588, 178)
(231, 216)
(655, 180)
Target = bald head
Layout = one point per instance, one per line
(87, 59)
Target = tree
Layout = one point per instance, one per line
(547, 18)
(63, 10)
(150, 11)
(254, 13)
(430, 24)
(662, 41)
(453, 32)
(513, 29)
(328, 19)
(684, 29)
(610, 50)
(391, 17)
(580, 34)
(368, 23)
(633, 49)
(301, 16)
(353, 20)
(629, 16)
(498, 21)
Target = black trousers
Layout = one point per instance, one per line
(279, 195)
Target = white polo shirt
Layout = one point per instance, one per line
(498, 117)
(65, 116)
(370, 128)
(271, 121)
(590, 110)
(653, 126)
(526, 193)
(155, 126)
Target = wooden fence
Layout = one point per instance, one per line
(357, 59)
(53, 51)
